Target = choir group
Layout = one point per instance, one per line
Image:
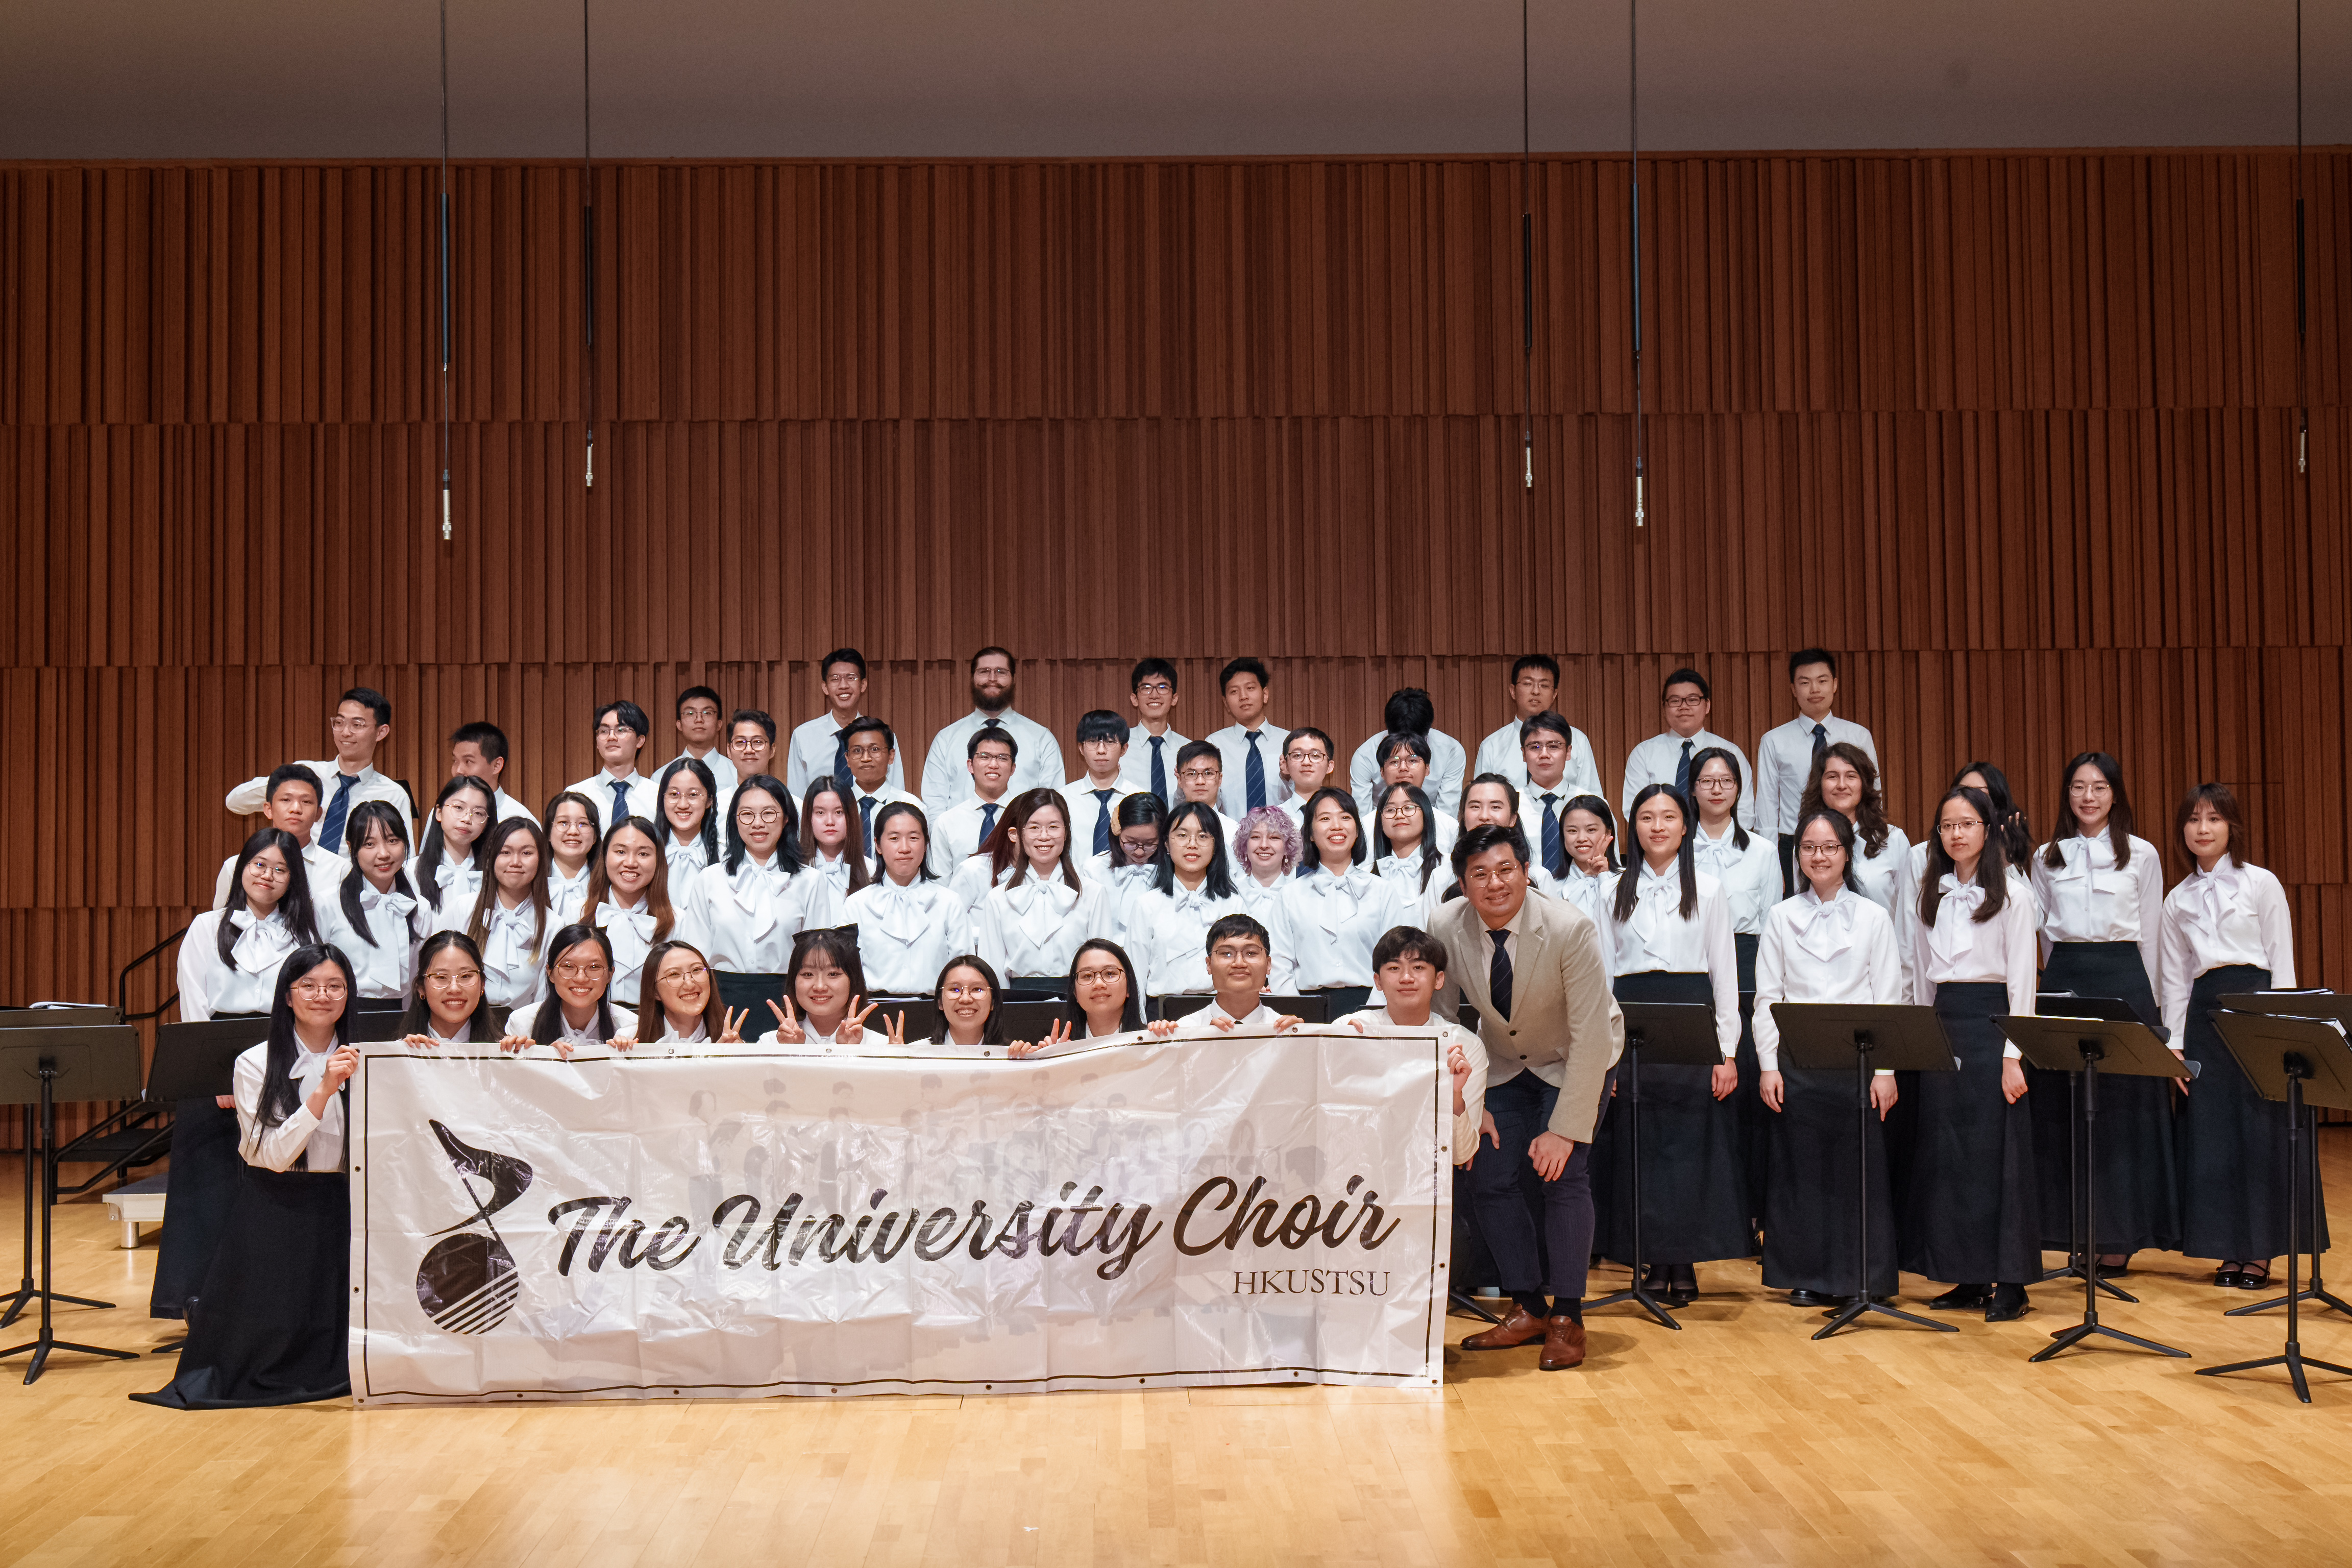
(1255, 861)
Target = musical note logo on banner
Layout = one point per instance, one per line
(467, 1282)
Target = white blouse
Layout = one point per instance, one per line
(1750, 877)
(2088, 899)
(385, 968)
(685, 860)
(277, 1147)
(457, 886)
(510, 953)
(905, 935)
(1033, 927)
(566, 896)
(1961, 949)
(630, 932)
(834, 869)
(1843, 951)
(208, 989)
(1332, 923)
(1405, 873)
(1167, 936)
(1594, 893)
(744, 921)
(1657, 937)
(2231, 914)
(1376, 1021)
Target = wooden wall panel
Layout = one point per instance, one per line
(2016, 430)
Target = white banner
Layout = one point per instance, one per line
(1235, 1209)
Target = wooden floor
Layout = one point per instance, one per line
(1737, 1441)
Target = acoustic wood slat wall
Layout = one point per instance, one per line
(2016, 430)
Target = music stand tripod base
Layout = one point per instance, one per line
(1678, 1034)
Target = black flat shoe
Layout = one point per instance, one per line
(1962, 1298)
(1815, 1298)
(2249, 1281)
(2008, 1304)
(2118, 1270)
(2229, 1277)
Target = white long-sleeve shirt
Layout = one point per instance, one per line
(1657, 937)
(1034, 926)
(277, 1148)
(2231, 914)
(1036, 761)
(1135, 767)
(511, 945)
(1332, 923)
(1167, 936)
(1447, 763)
(323, 867)
(567, 896)
(2089, 899)
(905, 935)
(385, 968)
(744, 921)
(1961, 949)
(1233, 743)
(1500, 754)
(207, 989)
(809, 755)
(1784, 761)
(1083, 812)
(1376, 1021)
(1750, 877)
(367, 785)
(1843, 951)
(957, 831)
(641, 797)
(1655, 761)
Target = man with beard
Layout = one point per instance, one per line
(945, 779)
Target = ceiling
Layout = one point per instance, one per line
(299, 79)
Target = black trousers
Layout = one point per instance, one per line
(1788, 864)
(1552, 1255)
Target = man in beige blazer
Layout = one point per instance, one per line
(1533, 968)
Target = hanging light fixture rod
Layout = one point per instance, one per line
(588, 243)
(445, 271)
(1634, 135)
(1527, 263)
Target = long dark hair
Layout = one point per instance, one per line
(2119, 819)
(882, 817)
(430, 852)
(600, 884)
(788, 840)
(1992, 869)
(709, 833)
(1870, 823)
(836, 942)
(2224, 801)
(547, 1025)
(1430, 858)
(2007, 818)
(653, 1019)
(295, 904)
(1311, 860)
(854, 848)
(1806, 817)
(1738, 788)
(1131, 1017)
(279, 1098)
(1600, 808)
(1009, 855)
(366, 816)
(1218, 878)
(420, 1015)
(486, 854)
(1629, 880)
(991, 1028)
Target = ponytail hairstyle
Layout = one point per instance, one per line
(364, 819)
(699, 771)
(547, 1023)
(1870, 823)
(1992, 869)
(419, 1015)
(1846, 837)
(788, 840)
(991, 1028)
(2006, 819)
(295, 904)
(280, 1099)
(1629, 880)
(2119, 819)
(1430, 858)
(1217, 878)
(486, 856)
(1600, 808)
(1739, 789)
(430, 853)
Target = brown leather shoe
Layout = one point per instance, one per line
(1563, 1345)
(1522, 1327)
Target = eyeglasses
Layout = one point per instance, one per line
(1820, 851)
(1951, 827)
(266, 871)
(1200, 775)
(452, 982)
(1686, 702)
(1399, 811)
(344, 726)
(612, 731)
(758, 818)
(1155, 688)
(963, 992)
(1714, 784)
(692, 971)
(747, 743)
(1310, 755)
(589, 969)
(1100, 976)
(320, 990)
(869, 754)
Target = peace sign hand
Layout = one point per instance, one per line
(853, 1025)
(788, 1029)
(1059, 1035)
(899, 1029)
(731, 1033)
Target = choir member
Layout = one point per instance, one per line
(1309, 763)
(745, 913)
(1970, 1213)
(2016, 833)
(2100, 894)
(822, 746)
(1686, 700)
(577, 1008)
(1240, 957)
(1410, 711)
(1534, 689)
(752, 744)
(292, 806)
(1787, 754)
(1828, 945)
(1031, 920)
(1335, 908)
(945, 781)
(372, 916)
(1142, 822)
(1667, 933)
(1167, 919)
(628, 900)
(273, 1326)
(1487, 800)
(826, 1007)
(908, 922)
(1094, 796)
(959, 830)
(230, 956)
(362, 722)
(617, 788)
(514, 913)
(2225, 931)
(699, 732)
(448, 875)
(1267, 849)
(1153, 743)
(1545, 742)
(478, 748)
(681, 1006)
(872, 753)
(1846, 780)
(1406, 848)
(690, 803)
(1591, 834)
(1409, 969)
(574, 829)
(967, 995)
(1106, 997)
(1201, 776)
(833, 838)
(1249, 749)
(452, 1005)
(1747, 867)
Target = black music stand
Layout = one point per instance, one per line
(2303, 1062)
(1832, 1036)
(26, 1292)
(1676, 1033)
(2082, 1259)
(2086, 1047)
(2298, 1004)
(97, 1062)
(751, 993)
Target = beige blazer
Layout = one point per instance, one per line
(1564, 1025)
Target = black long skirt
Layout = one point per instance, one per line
(1810, 1236)
(1970, 1213)
(273, 1317)
(2138, 1188)
(200, 1189)
(2233, 1143)
(1755, 1120)
(1694, 1186)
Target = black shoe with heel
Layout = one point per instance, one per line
(1962, 1298)
(2008, 1304)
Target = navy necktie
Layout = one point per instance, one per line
(987, 820)
(1498, 974)
(841, 758)
(620, 805)
(1159, 769)
(330, 829)
(1682, 773)
(865, 814)
(1555, 853)
(1821, 743)
(1253, 773)
(1102, 821)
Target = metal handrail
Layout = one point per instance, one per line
(123, 983)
